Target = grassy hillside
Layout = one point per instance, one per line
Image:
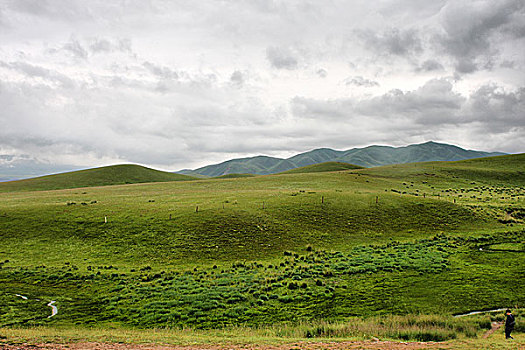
(104, 176)
(323, 167)
(255, 165)
(507, 170)
(266, 250)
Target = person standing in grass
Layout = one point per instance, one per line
(509, 324)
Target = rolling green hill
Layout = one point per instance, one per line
(323, 167)
(104, 176)
(507, 170)
(435, 238)
(234, 176)
(370, 156)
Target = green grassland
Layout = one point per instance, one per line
(323, 167)
(437, 238)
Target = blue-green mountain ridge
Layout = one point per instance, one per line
(370, 156)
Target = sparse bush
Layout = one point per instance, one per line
(292, 285)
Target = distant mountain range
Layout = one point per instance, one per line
(370, 156)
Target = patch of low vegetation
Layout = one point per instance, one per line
(307, 285)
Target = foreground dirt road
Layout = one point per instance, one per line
(369, 345)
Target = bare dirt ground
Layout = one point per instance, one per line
(368, 345)
(495, 327)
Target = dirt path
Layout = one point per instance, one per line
(368, 345)
(495, 327)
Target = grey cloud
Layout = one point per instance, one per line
(281, 58)
(319, 109)
(103, 45)
(431, 104)
(498, 109)
(34, 141)
(466, 65)
(160, 79)
(75, 10)
(430, 66)
(161, 71)
(321, 72)
(83, 49)
(6, 157)
(200, 79)
(33, 7)
(360, 81)
(33, 71)
(508, 64)
(3, 17)
(399, 42)
(75, 48)
(470, 31)
(237, 78)
(414, 8)
(489, 110)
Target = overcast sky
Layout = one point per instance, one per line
(181, 84)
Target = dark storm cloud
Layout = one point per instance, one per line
(281, 58)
